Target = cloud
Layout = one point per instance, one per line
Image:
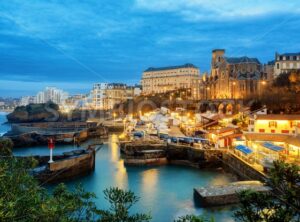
(218, 10)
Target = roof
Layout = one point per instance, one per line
(244, 59)
(277, 117)
(271, 146)
(187, 65)
(215, 50)
(266, 137)
(246, 150)
(224, 130)
(289, 54)
(293, 140)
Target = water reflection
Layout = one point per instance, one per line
(149, 183)
(120, 177)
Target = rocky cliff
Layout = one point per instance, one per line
(35, 113)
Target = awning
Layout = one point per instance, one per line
(244, 149)
(271, 146)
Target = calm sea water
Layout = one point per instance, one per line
(165, 191)
(3, 127)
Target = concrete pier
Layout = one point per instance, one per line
(226, 194)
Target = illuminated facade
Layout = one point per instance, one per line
(106, 95)
(161, 80)
(233, 77)
(275, 124)
(287, 62)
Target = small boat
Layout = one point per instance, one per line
(68, 154)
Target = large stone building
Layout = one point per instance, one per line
(287, 62)
(233, 77)
(161, 80)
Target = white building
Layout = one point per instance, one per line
(53, 94)
(287, 62)
(98, 95)
(106, 95)
(165, 79)
(25, 100)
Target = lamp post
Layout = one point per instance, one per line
(51, 146)
(114, 115)
(233, 90)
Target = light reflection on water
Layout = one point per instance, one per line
(165, 191)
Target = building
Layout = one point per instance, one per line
(233, 77)
(52, 94)
(275, 124)
(25, 100)
(287, 62)
(272, 137)
(164, 79)
(98, 95)
(106, 95)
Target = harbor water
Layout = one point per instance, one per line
(166, 192)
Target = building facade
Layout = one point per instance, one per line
(233, 77)
(26, 100)
(52, 94)
(161, 80)
(106, 95)
(287, 62)
(275, 124)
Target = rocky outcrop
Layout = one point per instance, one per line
(28, 140)
(34, 113)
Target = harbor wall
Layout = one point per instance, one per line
(241, 168)
(69, 168)
(193, 157)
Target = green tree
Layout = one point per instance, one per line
(6, 146)
(120, 203)
(193, 218)
(23, 199)
(282, 204)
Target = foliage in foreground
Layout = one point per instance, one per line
(23, 199)
(193, 218)
(282, 205)
(6, 146)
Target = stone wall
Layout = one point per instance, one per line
(242, 168)
(67, 169)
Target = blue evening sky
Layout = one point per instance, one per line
(72, 44)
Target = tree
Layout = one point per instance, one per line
(120, 203)
(6, 146)
(282, 204)
(23, 199)
(193, 218)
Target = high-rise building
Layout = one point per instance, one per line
(287, 62)
(161, 80)
(25, 100)
(53, 94)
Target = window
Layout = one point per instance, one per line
(277, 65)
(261, 130)
(272, 131)
(273, 124)
(284, 131)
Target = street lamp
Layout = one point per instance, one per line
(114, 115)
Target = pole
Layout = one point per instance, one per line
(51, 156)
